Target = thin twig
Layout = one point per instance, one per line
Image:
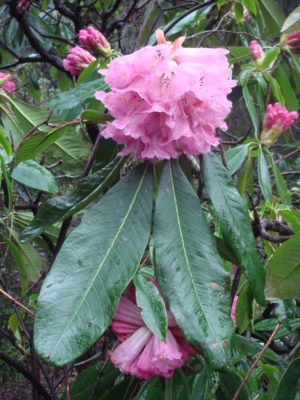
(254, 365)
(66, 372)
(15, 301)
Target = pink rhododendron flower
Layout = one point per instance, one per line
(6, 83)
(77, 60)
(277, 120)
(167, 100)
(141, 353)
(256, 52)
(233, 307)
(92, 39)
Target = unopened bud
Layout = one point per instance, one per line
(256, 52)
(77, 60)
(92, 39)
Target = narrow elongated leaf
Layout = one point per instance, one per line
(153, 308)
(34, 175)
(280, 183)
(79, 296)
(283, 270)
(289, 384)
(65, 206)
(251, 107)
(234, 221)
(270, 57)
(286, 88)
(189, 268)
(273, 16)
(246, 182)
(5, 144)
(264, 176)
(228, 385)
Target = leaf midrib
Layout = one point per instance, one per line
(185, 254)
(103, 260)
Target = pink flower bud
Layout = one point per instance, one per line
(246, 15)
(24, 4)
(277, 120)
(293, 41)
(233, 307)
(77, 60)
(256, 52)
(94, 40)
(6, 83)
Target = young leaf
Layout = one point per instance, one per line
(62, 207)
(80, 294)
(153, 308)
(283, 271)
(234, 222)
(264, 176)
(34, 175)
(189, 268)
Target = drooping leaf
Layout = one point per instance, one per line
(289, 385)
(276, 89)
(251, 107)
(246, 182)
(153, 391)
(189, 269)
(62, 207)
(234, 221)
(280, 182)
(153, 308)
(270, 58)
(286, 88)
(34, 175)
(80, 294)
(264, 176)
(283, 270)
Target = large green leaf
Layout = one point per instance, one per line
(95, 264)
(283, 270)
(154, 312)
(289, 385)
(273, 17)
(34, 175)
(228, 385)
(189, 268)
(65, 206)
(234, 222)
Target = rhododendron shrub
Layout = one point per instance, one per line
(149, 224)
(167, 101)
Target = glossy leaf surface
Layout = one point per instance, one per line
(34, 175)
(80, 294)
(189, 268)
(234, 221)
